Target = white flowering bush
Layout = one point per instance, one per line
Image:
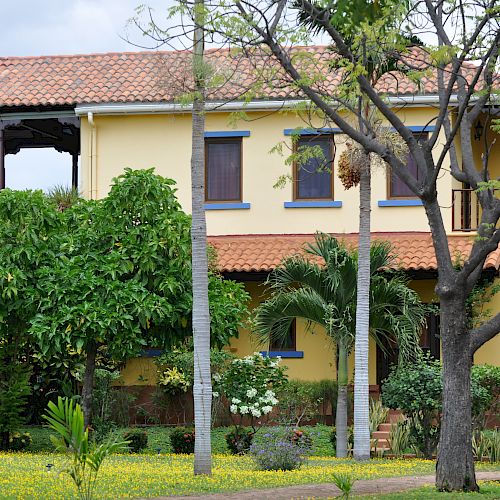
(250, 385)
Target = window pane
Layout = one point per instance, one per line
(223, 163)
(398, 187)
(285, 344)
(314, 177)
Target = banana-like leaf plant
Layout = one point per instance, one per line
(85, 459)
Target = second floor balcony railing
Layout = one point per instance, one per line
(466, 210)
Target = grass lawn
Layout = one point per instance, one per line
(24, 475)
(489, 489)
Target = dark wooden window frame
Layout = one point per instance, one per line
(293, 348)
(224, 140)
(296, 167)
(391, 196)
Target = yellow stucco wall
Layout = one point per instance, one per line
(164, 142)
(490, 352)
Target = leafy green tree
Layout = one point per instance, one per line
(325, 295)
(121, 279)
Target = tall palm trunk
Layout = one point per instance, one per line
(361, 387)
(341, 414)
(202, 386)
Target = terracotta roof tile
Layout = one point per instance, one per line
(262, 253)
(163, 76)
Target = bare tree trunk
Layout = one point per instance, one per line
(341, 414)
(202, 386)
(361, 387)
(453, 474)
(88, 383)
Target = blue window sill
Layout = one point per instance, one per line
(228, 133)
(312, 204)
(227, 206)
(400, 203)
(151, 353)
(283, 354)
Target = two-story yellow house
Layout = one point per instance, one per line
(113, 111)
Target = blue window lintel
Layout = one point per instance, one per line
(400, 203)
(227, 206)
(313, 204)
(227, 133)
(311, 131)
(283, 354)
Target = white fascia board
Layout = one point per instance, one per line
(37, 115)
(169, 108)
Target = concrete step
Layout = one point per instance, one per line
(385, 427)
(380, 434)
(394, 416)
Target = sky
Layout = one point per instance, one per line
(54, 27)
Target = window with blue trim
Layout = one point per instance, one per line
(223, 169)
(397, 188)
(313, 178)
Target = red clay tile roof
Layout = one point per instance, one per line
(262, 253)
(163, 76)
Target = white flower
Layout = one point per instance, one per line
(267, 409)
(243, 409)
(255, 412)
(215, 394)
(235, 401)
(273, 401)
(269, 394)
(233, 409)
(251, 393)
(217, 377)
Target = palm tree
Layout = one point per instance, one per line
(351, 18)
(202, 384)
(326, 295)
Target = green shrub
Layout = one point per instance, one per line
(488, 378)
(19, 441)
(138, 440)
(239, 440)
(297, 401)
(14, 390)
(182, 440)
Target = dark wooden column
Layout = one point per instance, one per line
(74, 170)
(2, 158)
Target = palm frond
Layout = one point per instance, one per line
(274, 317)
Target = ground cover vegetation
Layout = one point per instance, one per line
(128, 475)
